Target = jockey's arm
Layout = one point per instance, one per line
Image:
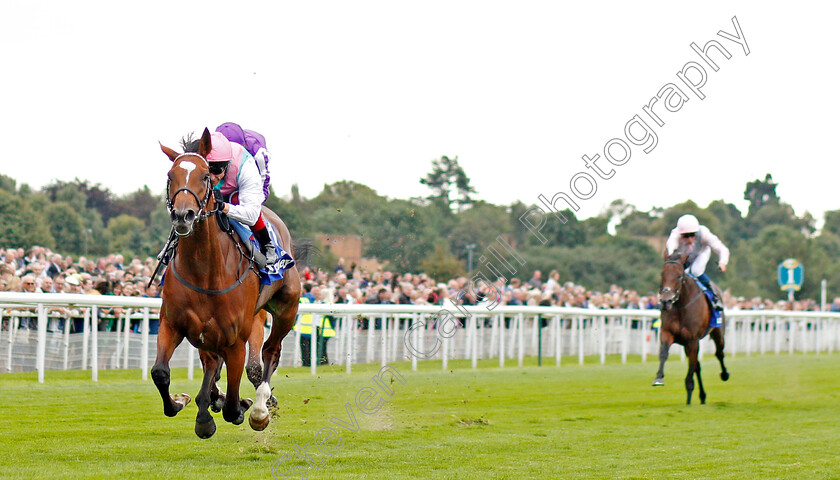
(718, 247)
(250, 195)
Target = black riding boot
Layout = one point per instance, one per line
(266, 246)
(717, 304)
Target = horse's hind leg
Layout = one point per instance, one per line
(283, 321)
(205, 427)
(700, 384)
(664, 346)
(167, 341)
(259, 414)
(255, 343)
(717, 336)
(217, 398)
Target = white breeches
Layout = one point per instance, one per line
(698, 266)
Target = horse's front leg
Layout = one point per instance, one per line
(700, 384)
(234, 409)
(205, 427)
(693, 366)
(665, 341)
(168, 339)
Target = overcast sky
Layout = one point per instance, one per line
(373, 91)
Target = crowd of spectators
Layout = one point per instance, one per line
(40, 270)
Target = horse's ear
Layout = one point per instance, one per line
(172, 154)
(683, 257)
(665, 255)
(205, 146)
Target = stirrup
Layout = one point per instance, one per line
(270, 254)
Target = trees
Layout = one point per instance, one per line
(400, 235)
(126, 235)
(140, 203)
(418, 235)
(441, 264)
(446, 179)
(66, 227)
(761, 193)
(21, 226)
(832, 222)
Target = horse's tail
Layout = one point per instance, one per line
(303, 250)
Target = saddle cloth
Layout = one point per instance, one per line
(710, 297)
(269, 273)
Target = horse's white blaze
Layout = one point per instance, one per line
(260, 411)
(189, 167)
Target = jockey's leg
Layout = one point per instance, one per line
(707, 282)
(698, 269)
(267, 247)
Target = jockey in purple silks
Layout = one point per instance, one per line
(234, 172)
(254, 143)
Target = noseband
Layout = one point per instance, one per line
(202, 214)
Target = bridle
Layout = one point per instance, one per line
(679, 288)
(202, 213)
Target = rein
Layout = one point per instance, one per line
(205, 291)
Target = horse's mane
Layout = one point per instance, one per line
(675, 256)
(190, 144)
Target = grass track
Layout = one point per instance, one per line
(777, 417)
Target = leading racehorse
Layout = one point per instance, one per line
(212, 297)
(685, 320)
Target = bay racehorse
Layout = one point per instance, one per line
(685, 320)
(212, 297)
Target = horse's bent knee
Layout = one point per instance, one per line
(160, 375)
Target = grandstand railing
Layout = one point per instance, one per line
(387, 333)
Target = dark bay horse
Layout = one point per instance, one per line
(685, 320)
(212, 297)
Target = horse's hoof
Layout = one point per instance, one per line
(272, 402)
(724, 376)
(217, 405)
(259, 425)
(179, 401)
(659, 382)
(239, 420)
(205, 430)
(246, 403)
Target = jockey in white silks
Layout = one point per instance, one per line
(699, 242)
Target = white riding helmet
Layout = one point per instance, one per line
(687, 224)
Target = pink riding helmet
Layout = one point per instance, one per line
(221, 151)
